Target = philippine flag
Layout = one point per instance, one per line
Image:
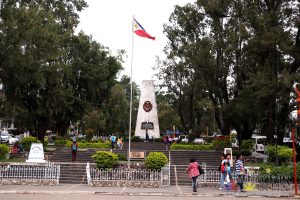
(140, 31)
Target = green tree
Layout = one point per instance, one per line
(242, 56)
(51, 76)
(118, 107)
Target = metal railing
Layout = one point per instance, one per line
(259, 181)
(49, 171)
(144, 175)
(213, 176)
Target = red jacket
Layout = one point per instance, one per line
(193, 169)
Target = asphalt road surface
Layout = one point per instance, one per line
(112, 197)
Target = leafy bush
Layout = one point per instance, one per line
(26, 142)
(156, 160)
(284, 153)
(247, 147)
(4, 149)
(192, 147)
(84, 144)
(221, 144)
(122, 157)
(105, 159)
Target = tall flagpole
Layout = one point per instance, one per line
(130, 104)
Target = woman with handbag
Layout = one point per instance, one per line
(193, 173)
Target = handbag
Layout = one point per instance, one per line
(201, 171)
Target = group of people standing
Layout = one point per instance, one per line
(226, 180)
(115, 140)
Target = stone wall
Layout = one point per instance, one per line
(28, 182)
(122, 183)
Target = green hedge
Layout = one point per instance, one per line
(156, 160)
(26, 142)
(4, 149)
(269, 168)
(83, 144)
(105, 159)
(192, 146)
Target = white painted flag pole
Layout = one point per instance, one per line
(130, 104)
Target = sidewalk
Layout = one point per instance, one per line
(166, 191)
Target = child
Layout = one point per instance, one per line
(227, 178)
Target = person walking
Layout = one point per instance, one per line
(74, 148)
(240, 171)
(222, 173)
(193, 172)
(113, 139)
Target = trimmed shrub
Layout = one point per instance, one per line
(26, 142)
(4, 149)
(192, 147)
(84, 144)
(105, 159)
(156, 160)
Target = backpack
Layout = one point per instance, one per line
(74, 147)
(201, 171)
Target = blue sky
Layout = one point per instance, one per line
(110, 23)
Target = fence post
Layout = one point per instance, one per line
(88, 174)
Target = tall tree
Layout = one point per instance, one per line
(241, 55)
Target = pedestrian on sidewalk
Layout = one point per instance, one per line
(193, 173)
(74, 147)
(240, 171)
(222, 172)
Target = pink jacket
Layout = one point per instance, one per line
(193, 169)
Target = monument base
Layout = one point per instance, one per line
(36, 153)
(36, 161)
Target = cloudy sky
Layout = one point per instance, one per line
(110, 23)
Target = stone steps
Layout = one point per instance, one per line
(73, 173)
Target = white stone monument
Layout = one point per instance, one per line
(147, 118)
(36, 153)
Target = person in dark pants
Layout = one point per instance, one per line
(113, 139)
(74, 147)
(193, 173)
(147, 136)
(239, 169)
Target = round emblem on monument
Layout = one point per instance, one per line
(147, 106)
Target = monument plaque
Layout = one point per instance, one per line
(147, 118)
(36, 153)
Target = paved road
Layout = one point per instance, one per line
(176, 192)
(112, 197)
